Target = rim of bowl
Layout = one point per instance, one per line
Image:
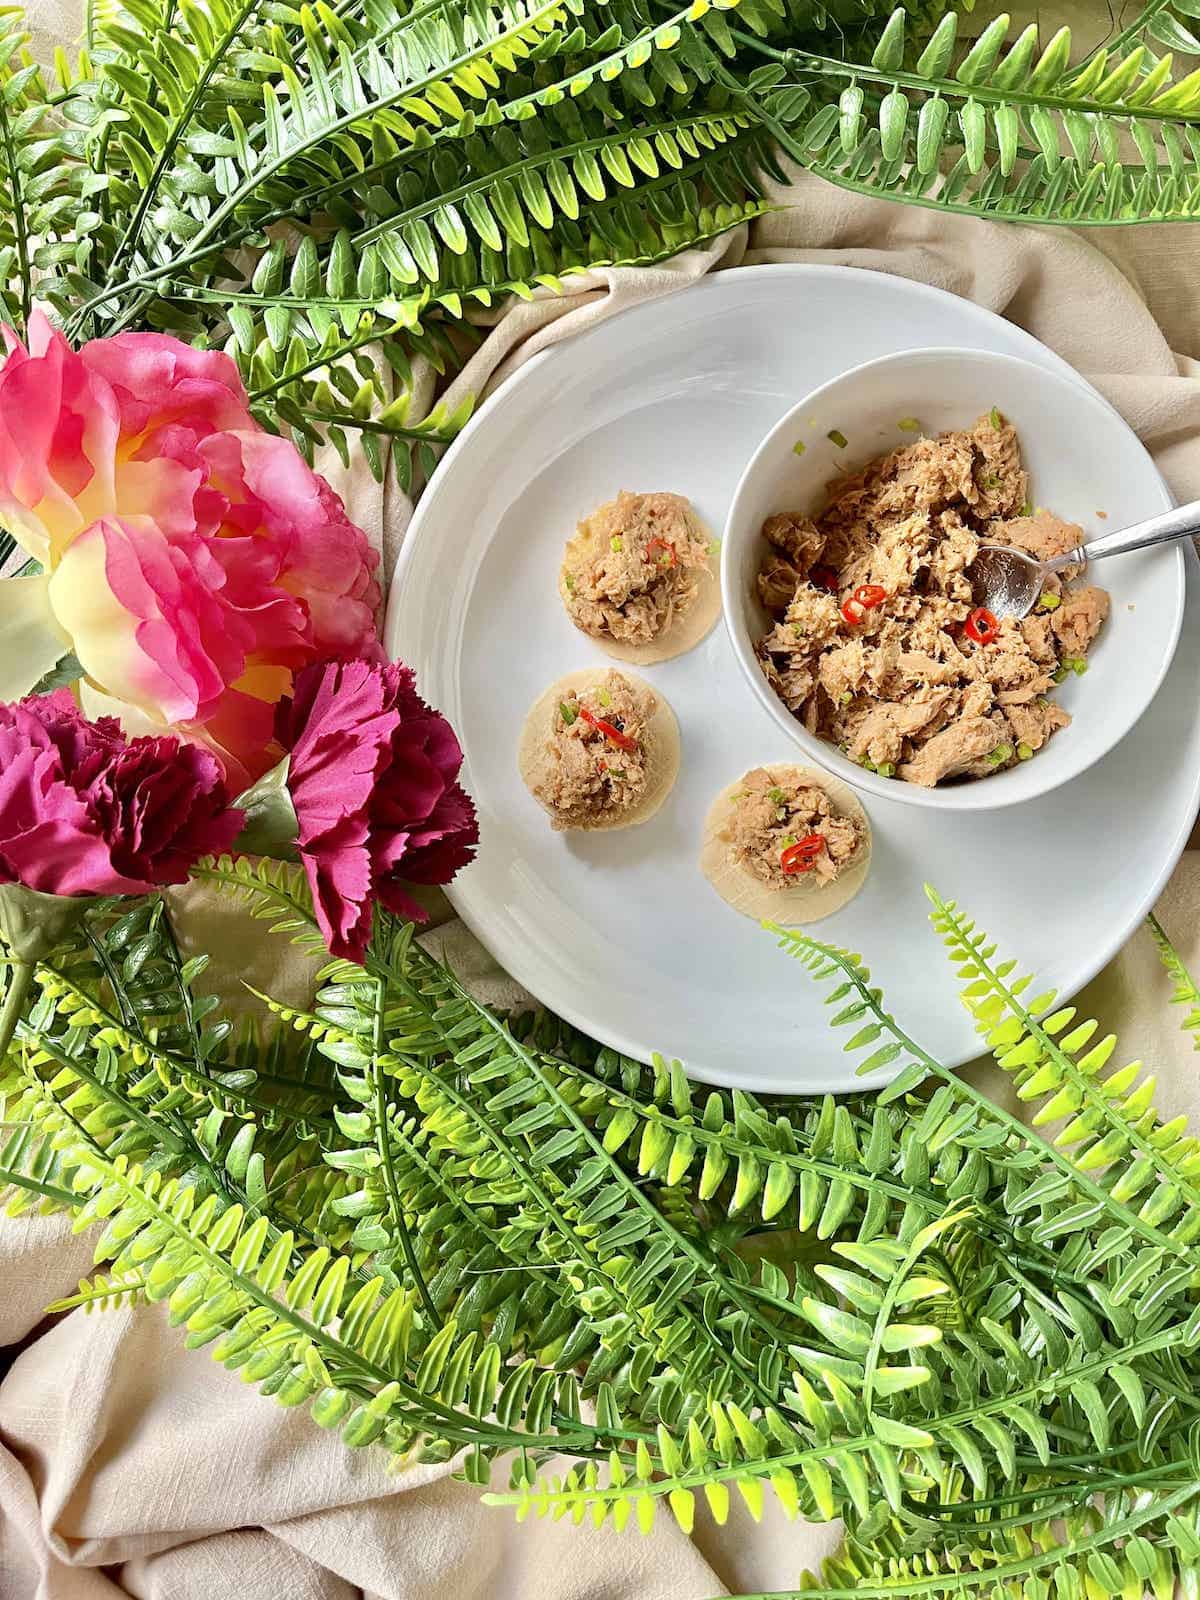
(963, 797)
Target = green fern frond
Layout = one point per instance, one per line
(276, 892)
(1111, 1126)
(102, 1293)
(47, 192)
(865, 1310)
(998, 126)
(1186, 992)
(1087, 1556)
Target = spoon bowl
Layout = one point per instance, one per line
(1005, 581)
(1008, 582)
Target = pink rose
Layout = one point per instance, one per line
(85, 811)
(373, 778)
(195, 563)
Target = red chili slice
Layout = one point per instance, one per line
(802, 856)
(870, 595)
(853, 611)
(982, 626)
(667, 546)
(822, 577)
(621, 740)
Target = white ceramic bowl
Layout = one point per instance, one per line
(1084, 463)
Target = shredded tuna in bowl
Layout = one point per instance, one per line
(845, 589)
(878, 645)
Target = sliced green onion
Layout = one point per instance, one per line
(1027, 509)
(847, 697)
(799, 447)
(776, 797)
(909, 424)
(867, 766)
(1002, 753)
(1024, 751)
(1061, 675)
(569, 713)
(1049, 601)
(616, 544)
(604, 697)
(1078, 666)
(569, 582)
(990, 481)
(886, 769)
(996, 420)
(837, 437)
(714, 548)
(788, 840)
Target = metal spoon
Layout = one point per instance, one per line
(1008, 582)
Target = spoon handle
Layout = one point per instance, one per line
(1177, 523)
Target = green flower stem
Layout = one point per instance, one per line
(20, 981)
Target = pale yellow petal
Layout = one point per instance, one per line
(30, 642)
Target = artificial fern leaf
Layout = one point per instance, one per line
(1186, 993)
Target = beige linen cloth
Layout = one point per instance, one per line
(131, 1467)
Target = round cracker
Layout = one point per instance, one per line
(685, 630)
(805, 901)
(662, 754)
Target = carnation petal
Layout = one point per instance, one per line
(48, 838)
(371, 778)
(438, 850)
(83, 811)
(57, 857)
(338, 730)
(339, 875)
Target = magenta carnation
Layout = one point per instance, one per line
(373, 778)
(85, 811)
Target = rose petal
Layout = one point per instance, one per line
(195, 561)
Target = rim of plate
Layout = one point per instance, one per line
(964, 798)
(461, 896)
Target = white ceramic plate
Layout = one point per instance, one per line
(618, 932)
